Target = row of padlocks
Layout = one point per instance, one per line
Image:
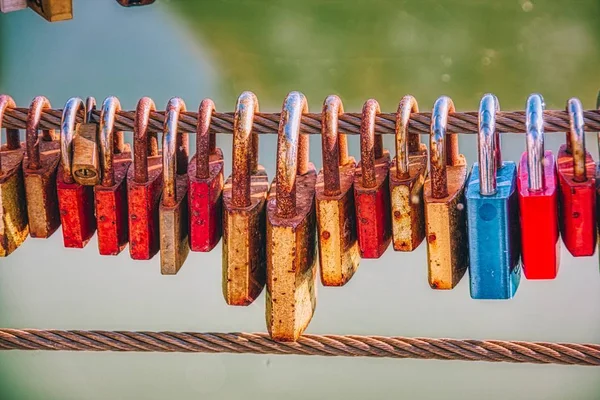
(486, 221)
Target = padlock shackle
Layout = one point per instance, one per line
(334, 145)
(204, 139)
(441, 153)
(67, 132)
(368, 143)
(292, 152)
(90, 107)
(12, 135)
(488, 140)
(34, 116)
(144, 144)
(576, 139)
(407, 106)
(245, 156)
(174, 149)
(109, 110)
(534, 136)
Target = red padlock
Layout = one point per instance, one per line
(372, 187)
(538, 199)
(205, 183)
(75, 201)
(576, 176)
(111, 193)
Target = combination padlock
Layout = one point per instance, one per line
(111, 193)
(372, 187)
(577, 194)
(339, 254)
(39, 170)
(205, 182)
(407, 176)
(13, 211)
(492, 214)
(144, 186)
(244, 211)
(173, 209)
(291, 242)
(52, 10)
(445, 216)
(538, 198)
(75, 201)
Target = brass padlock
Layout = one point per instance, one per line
(291, 289)
(13, 211)
(445, 213)
(407, 176)
(52, 10)
(86, 152)
(339, 255)
(173, 209)
(244, 197)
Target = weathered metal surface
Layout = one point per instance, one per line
(52, 10)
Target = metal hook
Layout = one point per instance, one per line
(368, 143)
(437, 146)
(534, 129)
(39, 104)
(488, 142)
(244, 155)
(204, 138)
(170, 150)
(407, 106)
(67, 132)
(144, 144)
(109, 110)
(334, 152)
(576, 139)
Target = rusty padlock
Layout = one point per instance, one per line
(173, 209)
(144, 186)
(111, 193)
(86, 149)
(52, 10)
(39, 170)
(577, 194)
(339, 254)
(407, 176)
(244, 198)
(205, 183)
(372, 187)
(445, 215)
(13, 211)
(75, 201)
(291, 219)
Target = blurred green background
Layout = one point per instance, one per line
(356, 49)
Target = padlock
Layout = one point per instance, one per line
(7, 6)
(133, 3)
(372, 188)
(86, 149)
(52, 10)
(407, 176)
(13, 211)
(492, 214)
(75, 201)
(291, 220)
(173, 209)
(144, 186)
(244, 211)
(111, 193)
(577, 194)
(445, 216)
(339, 254)
(39, 170)
(205, 183)
(538, 198)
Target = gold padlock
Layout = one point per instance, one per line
(173, 209)
(291, 289)
(13, 210)
(445, 212)
(86, 151)
(52, 10)
(339, 255)
(407, 176)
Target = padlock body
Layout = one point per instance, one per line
(494, 235)
(53, 10)
(76, 207)
(291, 254)
(244, 242)
(540, 246)
(7, 6)
(173, 225)
(13, 211)
(86, 155)
(577, 201)
(445, 230)
(372, 205)
(206, 204)
(339, 254)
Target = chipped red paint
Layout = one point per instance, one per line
(76, 206)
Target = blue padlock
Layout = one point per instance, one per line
(493, 214)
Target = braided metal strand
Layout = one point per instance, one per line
(325, 345)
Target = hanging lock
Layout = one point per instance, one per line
(7, 6)
(291, 219)
(111, 193)
(339, 254)
(52, 10)
(86, 150)
(445, 216)
(173, 209)
(39, 169)
(493, 214)
(371, 187)
(13, 211)
(538, 198)
(577, 194)
(407, 176)
(205, 181)
(244, 198)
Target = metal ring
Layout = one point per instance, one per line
(67, 132)
(331, 146)
(534, 130)
(437, 146)
(576, 139)
(407, 106)
(109, 110)
(243, 151)
(141, 144)
(203, 138)
(368, 143)
(32, 141)
(487, 144)
(170, 149)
